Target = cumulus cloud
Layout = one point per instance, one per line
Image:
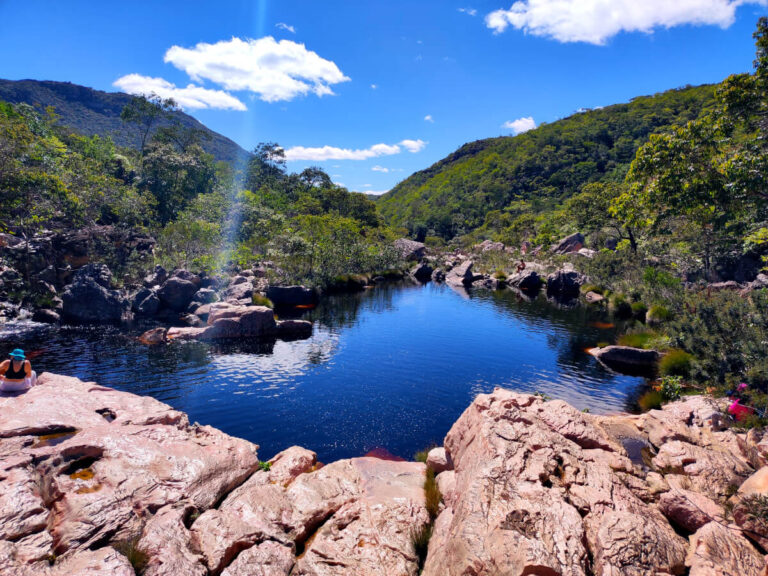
(375, 192)
(274, 70)
(413, 146)
(468, 11)
(378, 168)
(520, 125)
(192, 96)
(428, 118)
(286, 27)
(373, 86)
(595, 21)
(323, 153)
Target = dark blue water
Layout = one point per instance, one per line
(390, 368)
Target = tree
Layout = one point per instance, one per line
(266, 167)
(147, 112)
(590, 211)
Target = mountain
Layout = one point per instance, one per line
(90, 111)
(541, 167)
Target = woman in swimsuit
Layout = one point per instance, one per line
(16, 373)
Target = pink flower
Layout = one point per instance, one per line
(741, 387)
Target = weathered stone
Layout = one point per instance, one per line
(564, 284)
(292, 296)
(623, 358)
(153, 336)
(438, 460)
(176, 293)
(527, 281)
(156, 278)
(145, 302)
(569, 244)
(265, 559)
(410, 249)
(206, 296)
(717, 550)
(165, 540)
(422, 272)
(462, 275)
(689, 510)
(46, 316)
(593, 297)
(294, 329)
(88, 298)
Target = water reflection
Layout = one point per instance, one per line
(389, 368)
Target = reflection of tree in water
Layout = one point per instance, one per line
(342, 310)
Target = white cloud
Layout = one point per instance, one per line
(595, 21)
(520, 125)
(428, 118)
(323, 153)
(190, 97)
(275, 70)
(378, 168)
(375, 192)
(469, 11)
(373, 86)
(367, 185)
(286, 27)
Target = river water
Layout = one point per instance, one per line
(391, 368)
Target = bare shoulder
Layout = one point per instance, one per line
(4, 364)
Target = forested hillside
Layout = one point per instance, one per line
(93, 112)
(537, 170)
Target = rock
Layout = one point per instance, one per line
(438, 460)
(488, 246)
(192, 320)
(720, 286)
(760, 282)
(118, 459)
(422, 272)
(292, 296)
(265, 559)
(462, 275)
(241, 293)
(238, 280)
(611, 243)
(46, 316)
(438, 275)
(206, 296)
(188, 276)
(626, 358)
(153, 336)
(689, 510)
(410, 249)
(213, 282)
(527, 281)
(745, 515)
(564, 284)
(240, 322)
(158, 277)
(92, 563)
(717, 550)
(176, 293)
(294, 329)
(587, 252)
(593, 297)
(569, 244)
(145, 302)
(530, 500)
(165, 539)
(89, 300)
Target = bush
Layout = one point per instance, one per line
(639, 311)
(597, 289)
(619, 306)
(671, 387)
(637, 339)
(657, 314)
(260, 300)
(432, 494)
(499, 274)
(675, 362)
(651, 400)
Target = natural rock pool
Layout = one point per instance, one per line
(390, 368)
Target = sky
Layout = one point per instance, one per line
(372, 91)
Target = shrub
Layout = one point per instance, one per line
(675, 362)
(657, 314)
(756, 508)
(420, 539)
(619, 306)
(597, 289)
(137, 558)
(260, 300)
(637, 339)
(432, 494)
(265, 466)
(651, 400)
(639, 311)
(499, 274)
(671, 387)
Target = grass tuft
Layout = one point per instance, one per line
(675, 362)
(137, 558)
(420, 539)
(260, 300)
(432, 494)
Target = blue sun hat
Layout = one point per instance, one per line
(18, 354)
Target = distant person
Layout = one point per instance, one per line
(16, 373)
(520, 267)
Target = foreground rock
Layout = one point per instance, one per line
(541, 488)
(85, 469)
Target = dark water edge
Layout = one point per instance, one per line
(392, 367)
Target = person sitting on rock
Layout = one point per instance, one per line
(521, 266)
(16, 373)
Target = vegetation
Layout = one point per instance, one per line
(130, 549)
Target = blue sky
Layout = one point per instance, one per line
(373, 91)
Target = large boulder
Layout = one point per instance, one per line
(240, 293)
(410, 249)
(145, 302)
(88, 298)
(623, 358)
(462, 275)
(527, 281)
(422, 272)
(292, 295)
(569, 244)
(156, 278)
(226, 321)
(176, 293)
(564, 284)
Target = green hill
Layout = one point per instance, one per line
(88, 111)
(542, 167)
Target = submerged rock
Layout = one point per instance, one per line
(292, 295)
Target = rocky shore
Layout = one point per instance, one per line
(95, 481)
